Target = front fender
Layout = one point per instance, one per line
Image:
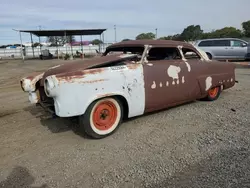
(73, 95)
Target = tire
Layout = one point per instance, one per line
(93, 121)
(209, 55)
(213, 94)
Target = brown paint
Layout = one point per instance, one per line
(195, 81)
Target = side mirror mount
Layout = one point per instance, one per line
(243, 44)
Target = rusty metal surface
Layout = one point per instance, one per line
(78, 66)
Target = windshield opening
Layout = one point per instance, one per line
(125, 50)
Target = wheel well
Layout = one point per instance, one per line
(124, 104)
(209, 54)
(123, 101)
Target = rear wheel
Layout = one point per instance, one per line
(213, 94)
(102, 117)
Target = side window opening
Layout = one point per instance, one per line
(190, 54)
(221, 43)
(206, 43)
(236, 43)
(163, 53)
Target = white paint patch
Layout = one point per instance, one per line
(178, 82)
(126, 55)
(208, 83)
(149, 64)
(160, 84)
(173, 83)
(55, 67)
(188, 66)
(153, 86)
(232, 79)
(221, 87)
(167, 84)
(183, 80)
(173, 71)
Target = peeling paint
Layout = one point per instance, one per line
(208, 83)
(188, 66)
(160, 84)
(232, 79)
(167, 83)
(149, 64)
(153, 86)
(173, 71)
(183, 80)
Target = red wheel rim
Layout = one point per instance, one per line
(213, 92)
(104, 115)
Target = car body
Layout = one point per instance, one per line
(130, 79)
(224, 48)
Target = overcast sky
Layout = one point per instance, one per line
(131, 16)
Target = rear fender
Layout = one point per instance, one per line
(210, 81)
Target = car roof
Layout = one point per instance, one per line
(220, 39)
(138, 43)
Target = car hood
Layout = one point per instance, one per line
(86, 64)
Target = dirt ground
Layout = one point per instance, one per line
(200, 144)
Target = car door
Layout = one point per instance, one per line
(221, 48)
(238, 49)
(164, 80)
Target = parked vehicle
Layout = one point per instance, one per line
(224, 48)
(130, 79)
(248, 52)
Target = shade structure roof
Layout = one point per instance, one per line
(68, 32)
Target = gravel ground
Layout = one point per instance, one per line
(200, 144)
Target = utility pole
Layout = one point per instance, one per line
(156, 33)
(115, 32)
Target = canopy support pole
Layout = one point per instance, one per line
(32, 45)
(71, 46)
(81, 45)
(40, 45)
(21, 45)
(65, 35)
(100, 43)
(103, 42)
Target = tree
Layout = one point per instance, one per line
(96, 42)
(126, 39)
(246, 28)
(142, 36)
(166, 38)
(60, 40)
(226, 32)
(191, 33)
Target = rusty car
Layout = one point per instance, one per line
(130, 79)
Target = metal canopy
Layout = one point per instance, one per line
(47, 33)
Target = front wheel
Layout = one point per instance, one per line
(102, 117)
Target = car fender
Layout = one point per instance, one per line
(73, 95)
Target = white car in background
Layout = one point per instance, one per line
(225, 48)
